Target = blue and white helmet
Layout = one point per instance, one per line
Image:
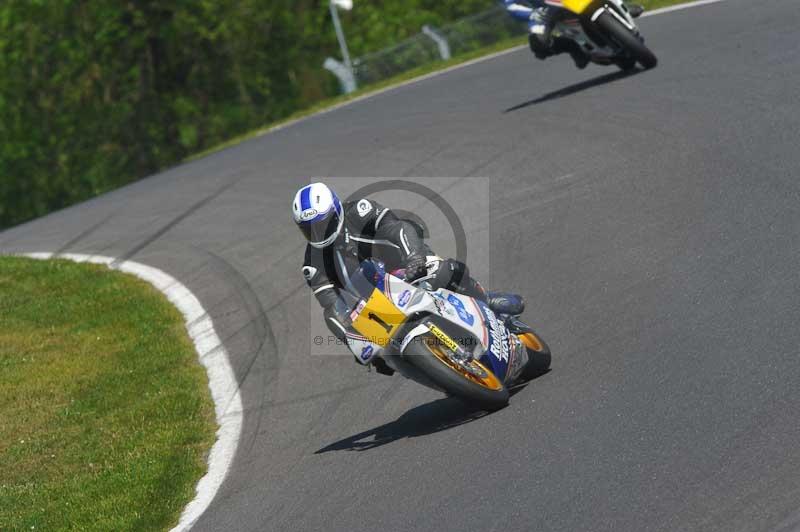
(318, 213)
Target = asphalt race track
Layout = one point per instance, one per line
(653, 223)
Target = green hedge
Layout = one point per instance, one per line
(97, 93)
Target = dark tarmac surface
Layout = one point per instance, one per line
(653, 223)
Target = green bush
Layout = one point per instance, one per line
(95, 94)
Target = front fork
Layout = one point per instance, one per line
(620, 12)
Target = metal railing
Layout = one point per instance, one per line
(431, 45)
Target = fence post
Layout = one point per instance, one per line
(439, 39)
(345, 75)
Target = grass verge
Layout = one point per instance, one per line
(395, 80)
(105, 414)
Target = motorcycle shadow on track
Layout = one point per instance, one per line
(577, 87)
(436, 416)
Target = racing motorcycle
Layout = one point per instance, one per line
(605, 30)
(440, 339)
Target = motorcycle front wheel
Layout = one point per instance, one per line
(539, 356)
(476, 385)
(627, 40)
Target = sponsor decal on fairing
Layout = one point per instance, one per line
(463, 314)
(403, 299)
(441, 307)
(357, 311)
(519, 357)
(498, 334)
(446, 340)
(366, 352)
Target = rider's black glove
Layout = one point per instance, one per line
(415, 268)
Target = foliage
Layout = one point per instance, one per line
(97, 93)
(94, 94)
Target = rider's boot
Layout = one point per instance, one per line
(381, 366)
(635, 10)
(515, 325)
(540, 51)
(578, 56)
(505, 303)
(454, 275)
(574, 50)
(541, 29)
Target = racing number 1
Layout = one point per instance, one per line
(379, 321)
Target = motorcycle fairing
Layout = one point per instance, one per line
(500, 350)
(378, 318)
(498, 346)
(391, 307)
(576, 6)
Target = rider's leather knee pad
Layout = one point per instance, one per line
(334, 324)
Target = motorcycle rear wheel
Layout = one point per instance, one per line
(427, 355)
(627, 40)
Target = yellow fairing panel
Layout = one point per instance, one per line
(379, 319)
(577, 6)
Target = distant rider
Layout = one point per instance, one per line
(341, 235)
(541, 18)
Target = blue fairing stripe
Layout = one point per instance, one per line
(305, 199)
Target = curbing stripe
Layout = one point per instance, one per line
(678, 7)
(213, 356)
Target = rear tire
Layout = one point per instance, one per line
(627, 40)
(451, 381)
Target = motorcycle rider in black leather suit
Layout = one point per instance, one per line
(341, 235)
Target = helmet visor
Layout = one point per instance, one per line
(319, 229)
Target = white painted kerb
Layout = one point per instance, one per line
(213, 356)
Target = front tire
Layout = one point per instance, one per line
(430, 358)
(539, 357)
(627, 40)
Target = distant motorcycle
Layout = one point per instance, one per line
(605, 30)
(440, 339)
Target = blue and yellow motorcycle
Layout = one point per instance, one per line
(440, 339)
(605, 30)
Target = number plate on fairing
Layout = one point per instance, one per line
(378, 319)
